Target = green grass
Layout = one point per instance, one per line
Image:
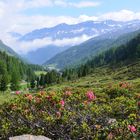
(97, 81)
(6, 96)
(23, 85)
(103, 76)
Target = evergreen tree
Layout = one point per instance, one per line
(37, 82)
(4, 83)
(2, 67)
(14, 81)
(42, 80)
(32, 84)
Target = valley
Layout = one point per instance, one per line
(68, 77)
(93, 100)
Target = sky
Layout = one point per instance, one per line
(23, 16)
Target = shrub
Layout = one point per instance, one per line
(121, 89)
(69, 114)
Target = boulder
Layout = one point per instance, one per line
(29, 137)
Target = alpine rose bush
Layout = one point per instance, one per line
(72, 113)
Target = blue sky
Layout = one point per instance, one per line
(103, 7)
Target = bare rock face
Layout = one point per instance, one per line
(29, 137)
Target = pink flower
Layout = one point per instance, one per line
(42, 92)
(18, 92)
(58, 114)
(62, 102)
(38, 100)
(30, 97)
(68, 93)
(90, 95)
(132, 128)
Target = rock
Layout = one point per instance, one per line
(29, 137)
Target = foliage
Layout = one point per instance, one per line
(114, 57)
(72, 113)
(121, 89)
(4, 82)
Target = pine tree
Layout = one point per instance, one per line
(32, 84)
(42, 80)
(14, 81)
(37, 84)
(2, 67)
(4, 83)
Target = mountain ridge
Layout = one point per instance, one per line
(7, 49)
(88, 49)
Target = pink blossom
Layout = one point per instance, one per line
(58, 114)
(90, 95)
(62, 102)
(42, 92)
(132, 128)
(38, 100)
(68, 93)
(18, 92)
(30, 97)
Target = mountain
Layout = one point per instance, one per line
(92, 47)
(105, 30)
(8, 50)
(89, 28)
(125, 57)
(39, 56)
(11, 64)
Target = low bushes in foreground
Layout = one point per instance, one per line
(74, 114)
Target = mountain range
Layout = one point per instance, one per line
(89, 28)
(81, 53)
(103, 35)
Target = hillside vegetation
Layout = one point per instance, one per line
(115, 57)
(81, 53)
(13, 70)
(97, 100)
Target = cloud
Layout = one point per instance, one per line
(81, 4)
(25, 47)
(29, 4)
(123, 15)
(84, 4)
(63, 3)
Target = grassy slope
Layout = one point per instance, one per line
(103, 76)
(97, 81)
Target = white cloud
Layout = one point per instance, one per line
(24, 24)
(123, 15)
(84, 4)
(61, 3)
(24, 47)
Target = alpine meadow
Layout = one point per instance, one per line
(69, 70)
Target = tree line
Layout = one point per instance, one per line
(12, 70)
(123, 54)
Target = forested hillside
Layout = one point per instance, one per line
(13, 69)
(81, 53)
(114, 57)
